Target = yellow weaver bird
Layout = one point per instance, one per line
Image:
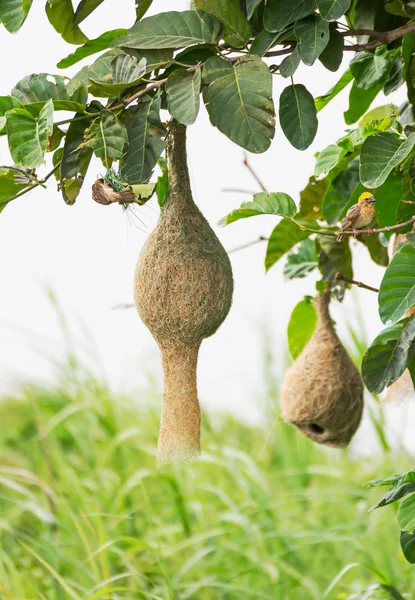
(359, 216)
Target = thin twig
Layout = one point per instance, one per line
(382, 230)
(341, 277)
(33, 186)
(248, 244)
(254, 174)
(240, 191)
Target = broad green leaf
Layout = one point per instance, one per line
(301, 260)
(311, 198)
(371, 69)
(280, 13)
(301, 326)
(62, 18)
(298, 116)
(397, 290)
(378, 252)
(276, 203)
(406, 514)
(107, 137)
(359, 102)
(332, 55)
(380, 113)
(322, 101)
(339, 254)
(312, 37)
(183, 95)
(141, 7)
(328, 159)
(238, 98)
(28, 137)
(10, 185)
(173, 30)
(75, 160)
(237, 27)
(160, 58)
(290, 64)
(126, 72)
(36, 89)
(395, 77)
(7, 103)
(384, 363)
(85, 8)
(380, 155)
(162, 187)
(284, 237)
(408, 546)
(265, 40)
(145, 143)
(340, 192)
(390, 333)
(13, 13)
(251, 5)
(396, 493)
(91, 47)
(331, 10)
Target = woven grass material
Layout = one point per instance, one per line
(323, 391)
(183, 292)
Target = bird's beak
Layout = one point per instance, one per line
(373, 199)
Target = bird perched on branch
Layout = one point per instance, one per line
(359, 216)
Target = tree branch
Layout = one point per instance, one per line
(248, 244)
(381, 37)
(253, 173)
(382, 230)
(341, 277)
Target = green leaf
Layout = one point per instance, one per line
(145, 142)
(36, 89)
(13, 13)
(359, 102)
(7, 103)
(251, 5)
(238, 98)
(162, 187)
(91, 47)
(406, 514)
(396, 493)
(387, 199)
(276, 203)
(332, 55)
(265, 40)
(85, 8)
(62, 18)
(328, 158)
(311, 198)
(301, 261)
(10, 185)
(339, 254)
(312, 37)
(75, 160)
(183, 90)
(340, 191)
(397, 290)
(395, 77)
(384, 363)
(371, 69)
(408, 546)
(141, 7)
(380, 154)
(107, 137)
(126, 72)
(28, 137)
(301, 326)
(298, 116)
(237, 28)
(331, 10)
(280, 13)
(290, 64)
(284, 237)
(344, 80)
(173, 30)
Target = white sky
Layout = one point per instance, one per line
(86, 253)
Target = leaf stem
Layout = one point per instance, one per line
(341, 277)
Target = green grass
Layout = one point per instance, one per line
(265, 514)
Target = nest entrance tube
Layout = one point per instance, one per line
(183, 292)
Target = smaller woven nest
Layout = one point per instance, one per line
(323, 391)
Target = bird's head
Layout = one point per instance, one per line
(366, 199)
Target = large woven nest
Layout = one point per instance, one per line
(183, 291)
(323, 391)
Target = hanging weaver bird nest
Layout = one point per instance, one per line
(323, 391)
(183, 292)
